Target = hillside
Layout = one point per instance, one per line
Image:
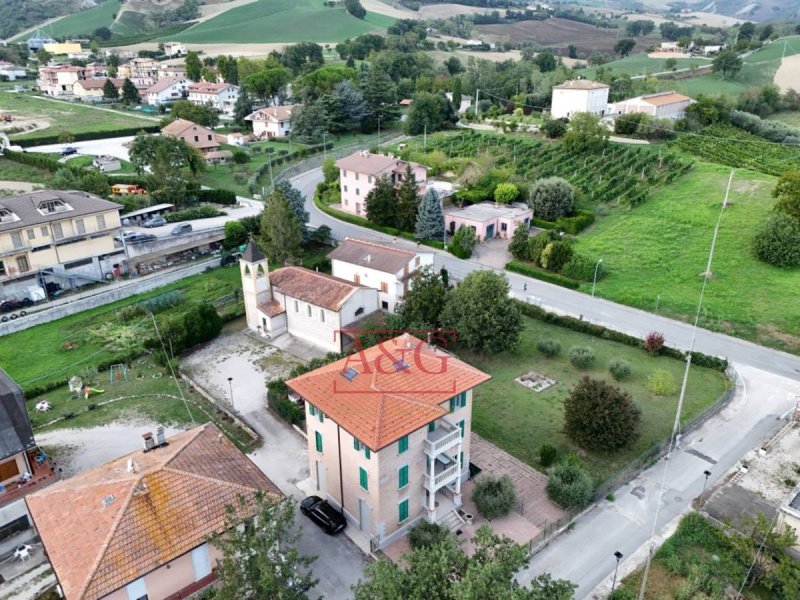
(19, 15)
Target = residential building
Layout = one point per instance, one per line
(59, 80)
(11, 72)
(173, 49)
(489, 220)
(664, 105)
(167, 90)
(707, 50)
(388, 432)
(91, 90)
(141, 71)
(65, 236)
(95, 70)
(62, 48)
(165, 70)
(141, 526)
(579, 96)
(221, 96)
(272, 122)
(359, 172)
(197, 136)
(384, 268)
(466, 102)
(306, 304)
(23, 467)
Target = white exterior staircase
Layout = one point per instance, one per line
(452, 521)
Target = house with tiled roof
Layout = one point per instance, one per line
(385, 268)
(197, 136)
(272, 121)
(579, 96)
(139, 526)
(664, 105)
(389, 434)
(312, 306)
(167, 90)
(220, 96)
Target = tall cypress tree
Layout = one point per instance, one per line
(382, 204)
(430, 218)
(110, 91)
(457, 94)
(407, 201)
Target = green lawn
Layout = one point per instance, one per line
(641, 64)
(790, 118)
(520, 420)
(234, 177)
(656, 253)
(267, 21)
(84, 22)
(12, 171)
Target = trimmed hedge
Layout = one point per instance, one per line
(191, 214)
(536, 312)
(572, 225)
(530, 271)
(86, 135)
(216, 196)
(41, 161)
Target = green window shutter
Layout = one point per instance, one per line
(318, 438)
(321, 416)
(356, 445)
(452, 404)
(362, 478)
(402, 511)
(311, 410)
(461, 424)
(366, 453)
(403, 477)
(461, 462)
(402, 444)
(463, 398)
(432, 427)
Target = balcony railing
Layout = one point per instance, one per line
(442, 478)
(443, 437)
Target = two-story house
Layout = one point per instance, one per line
(68, 235)
(220, 96)
(359, 172)
(197, 136)
(92, 90)
(389, 434)
(58, 80)
(384, 268)
(272, 121)
(141, 71)
(167, 90)
(579, 96)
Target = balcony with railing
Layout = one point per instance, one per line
(445, 471)
(42, 474)
(446, 435)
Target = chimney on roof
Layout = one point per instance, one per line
(161, 439)
(132, 466)
(149, 441)
(368, 258)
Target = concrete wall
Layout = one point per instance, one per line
(314, 328)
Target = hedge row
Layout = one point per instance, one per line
(191, 214)
(572, 225)
(41, 161)
(698, 358)
(529, 271)
(86, 135)
(216, 196)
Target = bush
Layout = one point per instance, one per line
(551, 197)
(190, 214)
(550, 348)
(494, 496)
(240, 157)
(463, 242)
(599, 416)
(427, 534)
(619, 369)
(87, 135)
(531, 271)
(622, 594)
(582, 357)
(570, 486)
(505, 193)
(654, 342)
(289, 411)
(574, 224)
(216, 196)
(661, 383)
(778, 242)
(582, 268)
(554, 128)
(547, 455)
(555, 255)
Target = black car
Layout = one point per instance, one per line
(8, 305)
(68, 151)
(323, 514)
(141, 237)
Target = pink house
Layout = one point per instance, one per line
(359, 171)
(489, 220)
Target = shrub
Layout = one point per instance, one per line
(464, 242)
(288, 411)
(547, 455)
(216, 196)
(582, 268)
(196, 212)
(505, 193)
(622, 594)
(427, 534)
(555, 255)
(654, 342)
(778, 242)
(240, 157)
(619, 369)
(494, 496)
(519, 244)
(531, 271)
(574, 224)
(570, 486)
(550, 348)
(582, 357)
(599, 416)
(661, 383)
(554, 128)
(551, 197)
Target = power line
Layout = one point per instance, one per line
(171, 369)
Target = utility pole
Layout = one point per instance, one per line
(477, 102)
(425, 136)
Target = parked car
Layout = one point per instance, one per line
(230, 259)
(8, 305)
(181, 229)
(68, 150)
(155, 222)
(126, 235)
(142, 237)
(323, 514)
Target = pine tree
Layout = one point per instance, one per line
(130, 95)
(407, 201)
(281, 234)
(243, 107)
(382, 204)
(194, 67)
(430, 218)
(457, 94)
(380, 95)
(110, 91)
(296, 202)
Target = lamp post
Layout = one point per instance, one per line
(618, 556)
(594, 281)
(230, 387)
(707, 473)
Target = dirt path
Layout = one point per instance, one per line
(788, 74)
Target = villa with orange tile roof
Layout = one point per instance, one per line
(139, 526)
(389, 434)
(312, 306)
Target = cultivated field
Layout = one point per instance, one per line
(274, 21)
(788, 74)
(557, 34)
(443, 11)
(85, 21)
(642, 64)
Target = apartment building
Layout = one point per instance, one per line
(66, 235)
(197, 136)
(167, 90)
(58, 80)
(141, 71)
(384, 268)
(359, 172)
(221, 96)
(389, 434)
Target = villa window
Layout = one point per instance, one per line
(461, 426)
(402, 511)
(402, 477)
(80, 226)
(101, 222)
(363, 481)
(318, 440)
(402, 444)
(22, 264)
(16, 239)
(58, 231)
(31, 234)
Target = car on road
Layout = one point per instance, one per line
(142, 237)
(181, 229)
(125, 235)
(14, 304)
(68, 150)
(323, 514)
(155, 222)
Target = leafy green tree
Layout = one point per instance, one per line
(505, 193)
(444, 572)
(778, 242)
(425, 299)
(110, 91)
(330, 171)
(66, 137)
(355, 8)
(519, 244)
(130, 95)
(408, 201)
(707, 110)
(787, 192)
(310, 121)
(599, 416)
(243, 107)
(345, 105)
(202, 114)
(482, 313)
(235, 235)
(180, 154)
(727, 63)
(570, 486)
(296, 202)
(281, 233)
(303, 57)
(322, 81)
(380, 95)
(554, 128)
(430, 112)
(381, 203)
(457, 93)
(430, 217)
(464, 241)
(454, 67)
(261, 560)
(43, 56)
(624, 46)
(269, 83)
(551, 198)
(586, 133)
(193, 65)
(546, 61)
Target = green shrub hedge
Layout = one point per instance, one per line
(531, 271)
(494, 496)
(190, 214)
(86, 135)
(39, 160)
(427, 534)
(216, 196)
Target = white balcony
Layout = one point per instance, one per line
(445, 436)
(442, 476)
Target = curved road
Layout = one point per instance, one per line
(562, 300)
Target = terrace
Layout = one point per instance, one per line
(41, 475)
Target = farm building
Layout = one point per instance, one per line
(665, 105)
(579, 96)
(489, 220)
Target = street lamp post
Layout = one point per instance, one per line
(707, 473)
(230, 387)
(594, 281)
(618, 556)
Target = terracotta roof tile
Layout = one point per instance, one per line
(580, 84)
(372, 255)
(271, 308)
(315, 288)
(666, 98)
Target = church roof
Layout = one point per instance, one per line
(253, 253)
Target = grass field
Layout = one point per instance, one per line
(520, 420)
(268, 21)
(12, 171)
(641, 64)
(790, 118)
(656, 253)
(84, 22)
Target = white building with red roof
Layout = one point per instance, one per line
(579, 96)
(665, 105)
(272, 121)
(221, 96)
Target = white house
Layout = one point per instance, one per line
(11, 72)
(168, 89)
(272, 122)
(466, 102)
(221, 96)
(579, 96)
(311, 306)
(174, 49)
(665, 105)
(386, 269)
